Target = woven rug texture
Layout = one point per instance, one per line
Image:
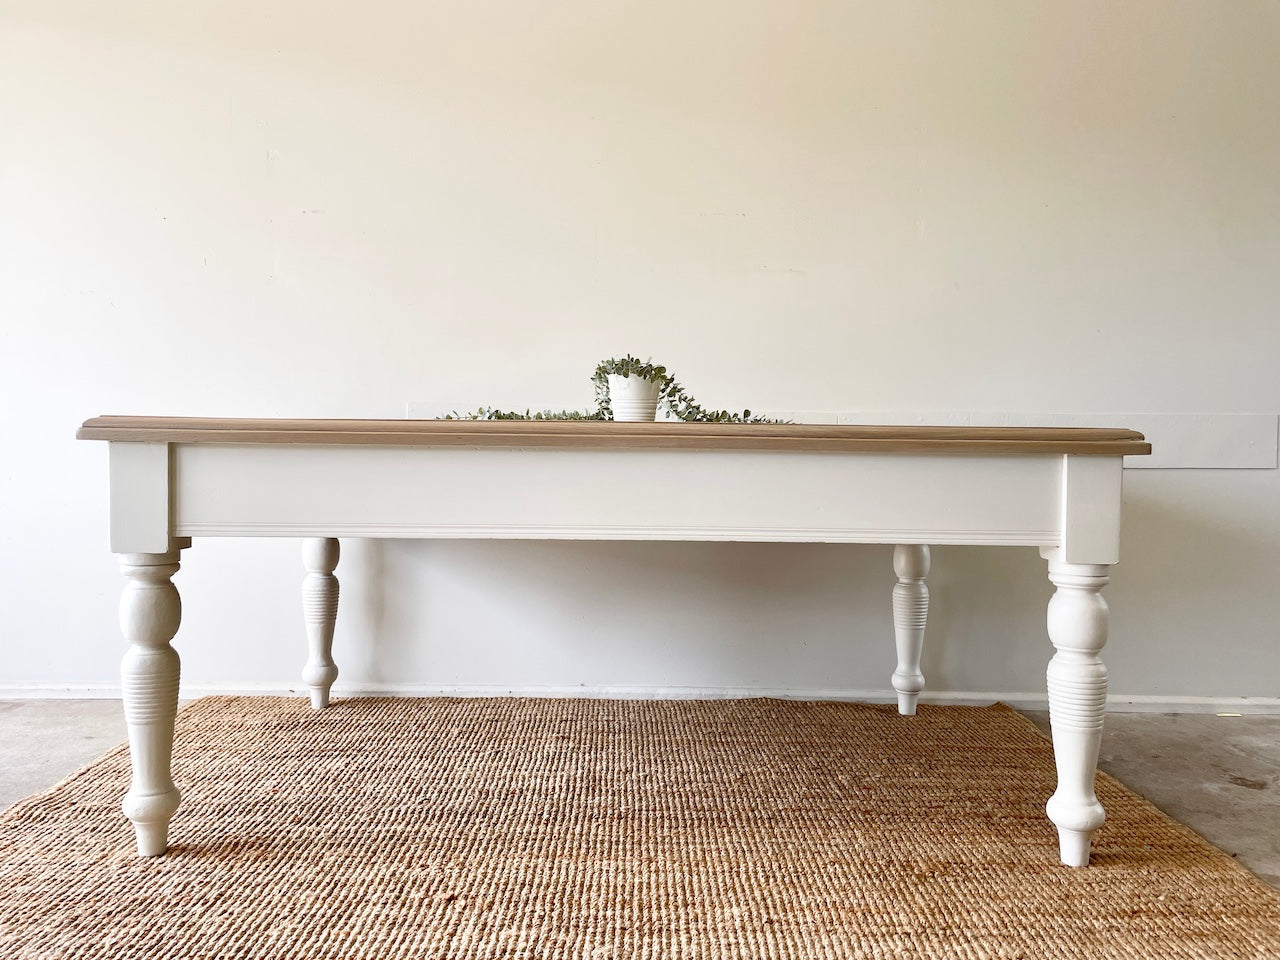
(479, 829)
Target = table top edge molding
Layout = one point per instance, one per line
(588, 434)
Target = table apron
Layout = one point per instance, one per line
(160, 491)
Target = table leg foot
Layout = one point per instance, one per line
(320, 613)
(910, 611)
(1077, 681)
(1073, 846)
(150, 612)
(153, 838)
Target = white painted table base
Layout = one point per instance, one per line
(314, 480)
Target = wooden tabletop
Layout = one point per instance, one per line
(595, 434)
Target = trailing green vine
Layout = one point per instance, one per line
(670, 392)
(491, 413)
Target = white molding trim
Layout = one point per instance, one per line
(526, 531)
(1116, 703)
(1179, 441)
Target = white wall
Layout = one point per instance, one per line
(334, 209)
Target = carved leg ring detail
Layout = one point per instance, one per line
(320, 613)
(910, 611)
(1077, 681)
(150, 611)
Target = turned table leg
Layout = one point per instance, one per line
(320, 612)
(150, 611)
(1077, 682)
(910, 611)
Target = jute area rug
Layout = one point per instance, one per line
(603, 830)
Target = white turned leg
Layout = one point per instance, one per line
(910, 611)
(150, 611)
(1077, 701)
(320, 611)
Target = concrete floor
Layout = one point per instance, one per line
(1218, 775)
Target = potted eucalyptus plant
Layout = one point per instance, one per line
(633, 389)
(627, 389)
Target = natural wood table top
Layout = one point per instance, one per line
(602, 434)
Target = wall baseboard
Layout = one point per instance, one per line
(1116, 703)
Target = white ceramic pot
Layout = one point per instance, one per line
(632, 398)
